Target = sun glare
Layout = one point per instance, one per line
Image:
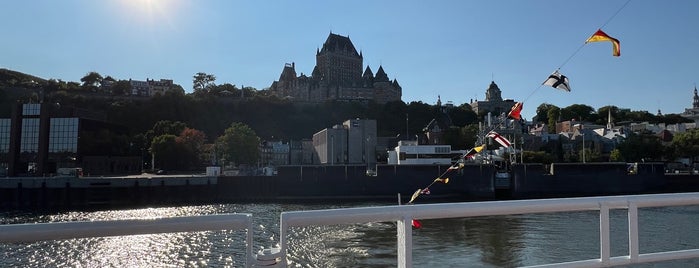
(151, 7)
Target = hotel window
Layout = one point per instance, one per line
(31, 109)
(5, 135)
(63, 135)
(30, 135)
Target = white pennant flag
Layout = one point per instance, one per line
(499, 138)
(557, 80)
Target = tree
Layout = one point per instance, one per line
(109, 78)
(553, 114)
(202, 82)
(686, 144)
(537, 157)
(91, 80)
(165, 151)
(542, 112)
(462, 115)
(191, 142)
(580, 112)
(615, 156)
(642, 146)
(239, 144)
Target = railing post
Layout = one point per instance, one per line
(405, 242)
(633, 232)
(283, 242)
(604, 242)
(248, 241)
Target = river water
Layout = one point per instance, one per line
(502, 241)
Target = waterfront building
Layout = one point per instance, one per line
(41, 138)
(353, 142)
(337, 76)
(275, 153)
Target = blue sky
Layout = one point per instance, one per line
(449, 48)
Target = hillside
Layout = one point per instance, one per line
(10, 78)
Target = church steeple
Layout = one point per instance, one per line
(695, 104)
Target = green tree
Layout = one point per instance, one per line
(462, 115)
(91, 80)
(615, 156)
(202, 82)
(239, 144)
(580, 112)
(637, 147)
(165, 152)
(542, 112)
(553, 114)
(537, 157)
(686, 144)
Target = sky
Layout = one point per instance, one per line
(450, 49)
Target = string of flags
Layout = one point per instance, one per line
(456, 166)
(559, 81)
(555, 80)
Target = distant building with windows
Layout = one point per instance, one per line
(493, 102)
(337, 76)
(151, 87)
(40, 138)
(353, 142)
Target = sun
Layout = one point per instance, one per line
(151, 7)
(151, 13)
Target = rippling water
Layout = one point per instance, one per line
(503, 241)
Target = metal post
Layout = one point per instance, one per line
(633, 232)
(605, 251)
(405, 242)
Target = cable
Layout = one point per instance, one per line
(581, 46)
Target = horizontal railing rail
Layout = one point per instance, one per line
(403, 216)
(32, 232)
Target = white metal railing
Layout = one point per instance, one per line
(404, 215)
(31, 232)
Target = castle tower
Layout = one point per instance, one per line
(338, 60)
(337, 75)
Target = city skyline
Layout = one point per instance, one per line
(452, 49)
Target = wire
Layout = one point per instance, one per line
(581, 46)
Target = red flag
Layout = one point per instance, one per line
(515, 111)
(417, 224)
